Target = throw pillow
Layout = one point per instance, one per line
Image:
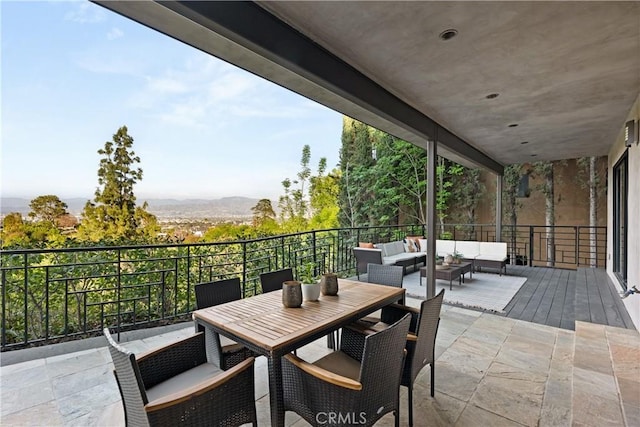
(416, 241)
(367, 245)
(409, 245)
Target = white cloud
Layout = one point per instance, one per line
(115, 33)
(85, 13)
(205, 92)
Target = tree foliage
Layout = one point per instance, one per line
(113, 214)
(47, 208)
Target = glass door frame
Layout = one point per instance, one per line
(620, 217)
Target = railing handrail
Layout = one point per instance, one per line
(52, 293)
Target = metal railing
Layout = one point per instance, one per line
(55, 294)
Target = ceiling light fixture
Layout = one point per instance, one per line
(524, 142)
(512, 125)
(492, 95)
(534, 155)
(448, 34)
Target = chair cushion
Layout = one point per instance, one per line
(468, 249)
(184, 380)
(229, 346)
(423, 245)
(341, 364)
(445, 247)
(493, 249)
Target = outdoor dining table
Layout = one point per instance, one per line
(265, 326)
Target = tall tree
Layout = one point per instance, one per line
(445, 170)
(592, 178)
(357, 174)
(466, 191)
(112, 214)
(263, 213)
(544, 170)
(323, 198)
(510, 205)
(47, 208)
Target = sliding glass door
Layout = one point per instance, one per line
(620, 186)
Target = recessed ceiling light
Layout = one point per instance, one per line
(512, 125)
(524, 142)
(448, 34)
(534, 155)
(492, 95)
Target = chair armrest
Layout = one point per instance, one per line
(394, 312)
(323, 374)
(199, 389)
(166, 362)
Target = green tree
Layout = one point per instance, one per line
(445, 170)
(264, 218)
(510, 203)
(466, 193)
(113, 214)
(294, 204)
(357, 174)
(47, 208)
(323, 198)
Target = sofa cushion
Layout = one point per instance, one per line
(423, 245)
(496, 251)
(398, 257)
(445, 247)
(468, 249)
(392, 248)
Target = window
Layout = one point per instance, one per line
(523, 186)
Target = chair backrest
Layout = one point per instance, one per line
(390, 275)
(382, 361)
(365, 256)
(426, 330)
(218, 292)
(132, 390)
(272, 281)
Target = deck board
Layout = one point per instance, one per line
(559, 297)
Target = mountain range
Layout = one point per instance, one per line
(226, 207)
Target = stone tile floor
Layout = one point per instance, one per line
(490, 370)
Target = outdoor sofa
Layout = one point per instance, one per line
(483, 254)
(392, 253)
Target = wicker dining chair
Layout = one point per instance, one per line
(272, 280)
(361, 380)
(389, 275)
(421, 340)
(220, 350)
(174, 385)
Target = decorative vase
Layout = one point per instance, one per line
(291, 294)
(311, 291)
(448, 259)
(329, 284)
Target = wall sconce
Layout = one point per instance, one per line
(630, 133)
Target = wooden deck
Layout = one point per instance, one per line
(558, 297)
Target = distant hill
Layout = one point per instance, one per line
(226, 207)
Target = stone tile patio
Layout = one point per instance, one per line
(490, 370)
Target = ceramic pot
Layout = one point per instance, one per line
(329, 284)
(310, 291)
(448, 259)
(291, 294)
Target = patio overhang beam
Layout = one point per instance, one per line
(246, 35)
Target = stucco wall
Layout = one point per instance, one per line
(633, 231)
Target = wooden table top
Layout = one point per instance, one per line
(265, 322)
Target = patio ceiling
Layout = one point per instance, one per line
(567, 73)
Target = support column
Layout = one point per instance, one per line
(499, 208)
(431, 218)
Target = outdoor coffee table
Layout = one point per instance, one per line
(450, 273)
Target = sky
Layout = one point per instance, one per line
(72, 73)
